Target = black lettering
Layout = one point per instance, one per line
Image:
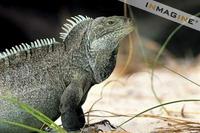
(147, 4)
(166, 12)
(173, 14)
(191, 21)
(159, 9)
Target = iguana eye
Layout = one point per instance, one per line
(110, 22)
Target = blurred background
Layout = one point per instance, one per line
(25, 21)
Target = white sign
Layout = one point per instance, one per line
(166, 12)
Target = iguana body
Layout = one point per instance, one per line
(55, 77)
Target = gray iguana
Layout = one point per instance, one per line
(55, 77)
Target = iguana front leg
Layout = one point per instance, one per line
(72, 115)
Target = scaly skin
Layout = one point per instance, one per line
(56, 81)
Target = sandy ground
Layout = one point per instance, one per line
(132, 94)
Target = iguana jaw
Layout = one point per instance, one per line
(126, 31)
(103, 48)
(121, 34)
(110, 40)
(129, 29)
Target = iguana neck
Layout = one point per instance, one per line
(102, 62)
(76, 44)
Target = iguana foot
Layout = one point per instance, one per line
(97, 127)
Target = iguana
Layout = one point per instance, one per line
(55, 77)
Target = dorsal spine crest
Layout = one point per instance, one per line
(26, 47)
(71, 23)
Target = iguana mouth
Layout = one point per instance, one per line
(128, 30)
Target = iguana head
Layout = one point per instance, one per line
(104, 35)
(99, 39)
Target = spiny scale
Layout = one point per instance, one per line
(67, 27)
(25, 47)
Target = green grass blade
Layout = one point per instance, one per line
(158, 56)
(157, 106)
(37, 114)
(22, 125)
